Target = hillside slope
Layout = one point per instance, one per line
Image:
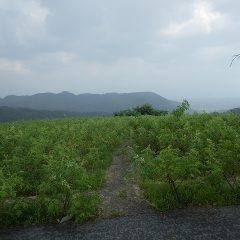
(235, 110)
(13, 114)
(107, 103)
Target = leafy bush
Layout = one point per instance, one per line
(145, 109)
(49, 169)
(189, 159)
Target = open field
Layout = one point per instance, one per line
(52, 169)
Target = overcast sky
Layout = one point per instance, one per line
(176, 48)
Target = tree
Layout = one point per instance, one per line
(145, 109)
(181, 109)
(236, 56)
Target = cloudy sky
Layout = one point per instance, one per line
(177, 48)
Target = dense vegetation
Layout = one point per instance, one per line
(145, 109)
(187, 160)
(49, 169)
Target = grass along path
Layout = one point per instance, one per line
(121, 196)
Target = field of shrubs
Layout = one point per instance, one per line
(188, 160)
(53, 168)
(50, 169)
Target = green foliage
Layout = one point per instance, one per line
(83, 207)
(179, 111)
(145, 109)
(189, 159)
(49, 169)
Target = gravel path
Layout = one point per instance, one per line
(220, 223)
(121, 195)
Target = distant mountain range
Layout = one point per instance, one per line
(48, 105)
(109, 102)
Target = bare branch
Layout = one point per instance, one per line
(236, 56)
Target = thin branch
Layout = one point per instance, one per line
(234, 58)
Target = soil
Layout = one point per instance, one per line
(121, 195)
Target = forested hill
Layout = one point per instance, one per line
(13, 114)
(108, 103)
(235, 110)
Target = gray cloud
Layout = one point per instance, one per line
(177, 48)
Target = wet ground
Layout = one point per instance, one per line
(219, 223)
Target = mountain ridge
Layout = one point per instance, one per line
(88, 102)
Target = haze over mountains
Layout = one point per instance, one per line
(82, 104)
(214, 104)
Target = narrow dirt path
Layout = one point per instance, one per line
(121, 196)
